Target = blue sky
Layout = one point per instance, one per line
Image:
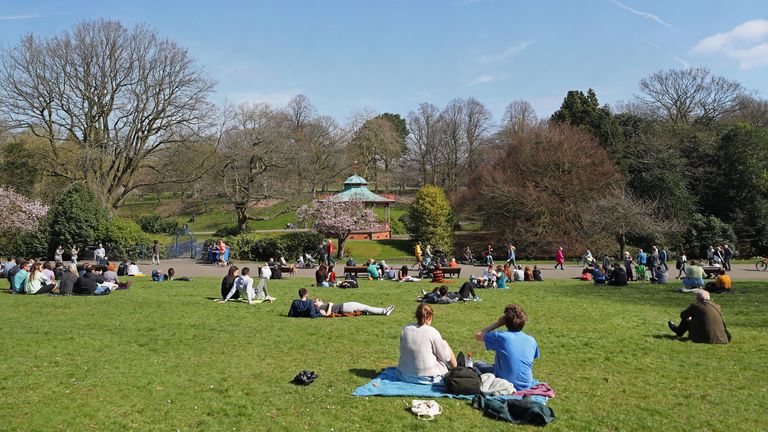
(390, 56)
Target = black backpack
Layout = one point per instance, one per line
(463, 380)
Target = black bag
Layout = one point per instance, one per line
(304, 377)
(462, 380)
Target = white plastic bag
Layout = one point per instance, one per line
(426, 409)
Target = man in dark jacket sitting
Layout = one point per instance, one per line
(88, 284)
(703, 321)
(618, 276)
(304, 307)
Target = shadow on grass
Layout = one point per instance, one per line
(365, 373)
(670, 337)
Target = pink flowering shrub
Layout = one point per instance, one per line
(338, 219)
(18, 213)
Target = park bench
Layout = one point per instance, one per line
(711, 271)
(451, 271)
(355, 270)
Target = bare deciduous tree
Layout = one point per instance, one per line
(519, 116)
(254, 141)
(423, 141)
(683, 96)
(119, 95)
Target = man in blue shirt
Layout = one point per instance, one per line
(642, 257)
(515, 350)
(303, 308)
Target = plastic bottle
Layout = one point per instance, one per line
(468, 361)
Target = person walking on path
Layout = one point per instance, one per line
(559, 258)
(156, 253)
(511, 255)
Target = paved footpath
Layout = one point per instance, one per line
(191, 268)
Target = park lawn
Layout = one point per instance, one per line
(163, 356)
(393, 250)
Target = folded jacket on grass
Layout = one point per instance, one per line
(387, 384)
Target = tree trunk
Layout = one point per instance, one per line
(242, 218)
(622, 238)
(340, 242)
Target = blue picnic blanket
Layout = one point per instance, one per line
(387, 384)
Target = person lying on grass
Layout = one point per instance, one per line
(441, 295)
(303, 307)
(424, 355)
(328, 309)
(703, 321)
(515, 350)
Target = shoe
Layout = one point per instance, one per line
(477, 299)
(423, 292)
(388, 310)
(672, 327)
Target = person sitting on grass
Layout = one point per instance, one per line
(703, 321)
(321, 276)
(501, 279)
(90, 283)
(518, 274)
(303, 307)
(244, 285)
(618, 276)
(133, 270)
(438, 276)
(228, 282)
(373, 270)
(489, 277)
(110, 276)
(515, 350)
(721, 284)
(68, 280)
(424, 355)
(38, 282)
(19, 275)
(537, 274)
(528, 274)
(599, 275)
(328, 309)
(660, 275)
(694, 276)
(331, 276)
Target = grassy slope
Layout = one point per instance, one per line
(219, 215)
(164, 357)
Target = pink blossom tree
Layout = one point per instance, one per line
(338, 219)
(18, 213)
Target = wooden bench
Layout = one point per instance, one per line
(355, 270)
(711, 271)
(450, 271)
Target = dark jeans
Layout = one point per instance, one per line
(45, 289)
(727, 264)
(682, 328)
(467, 290)
(559, 264)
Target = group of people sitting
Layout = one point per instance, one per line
(238, 285)
(37, 277)
(499, 277)
(425, 357)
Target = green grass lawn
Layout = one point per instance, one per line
(165, 357)
(392, 250)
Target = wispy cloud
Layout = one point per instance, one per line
(482, 79)
(19, 17)
(509, 52)
(677, 58)
(746, 43)
(646, 15)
